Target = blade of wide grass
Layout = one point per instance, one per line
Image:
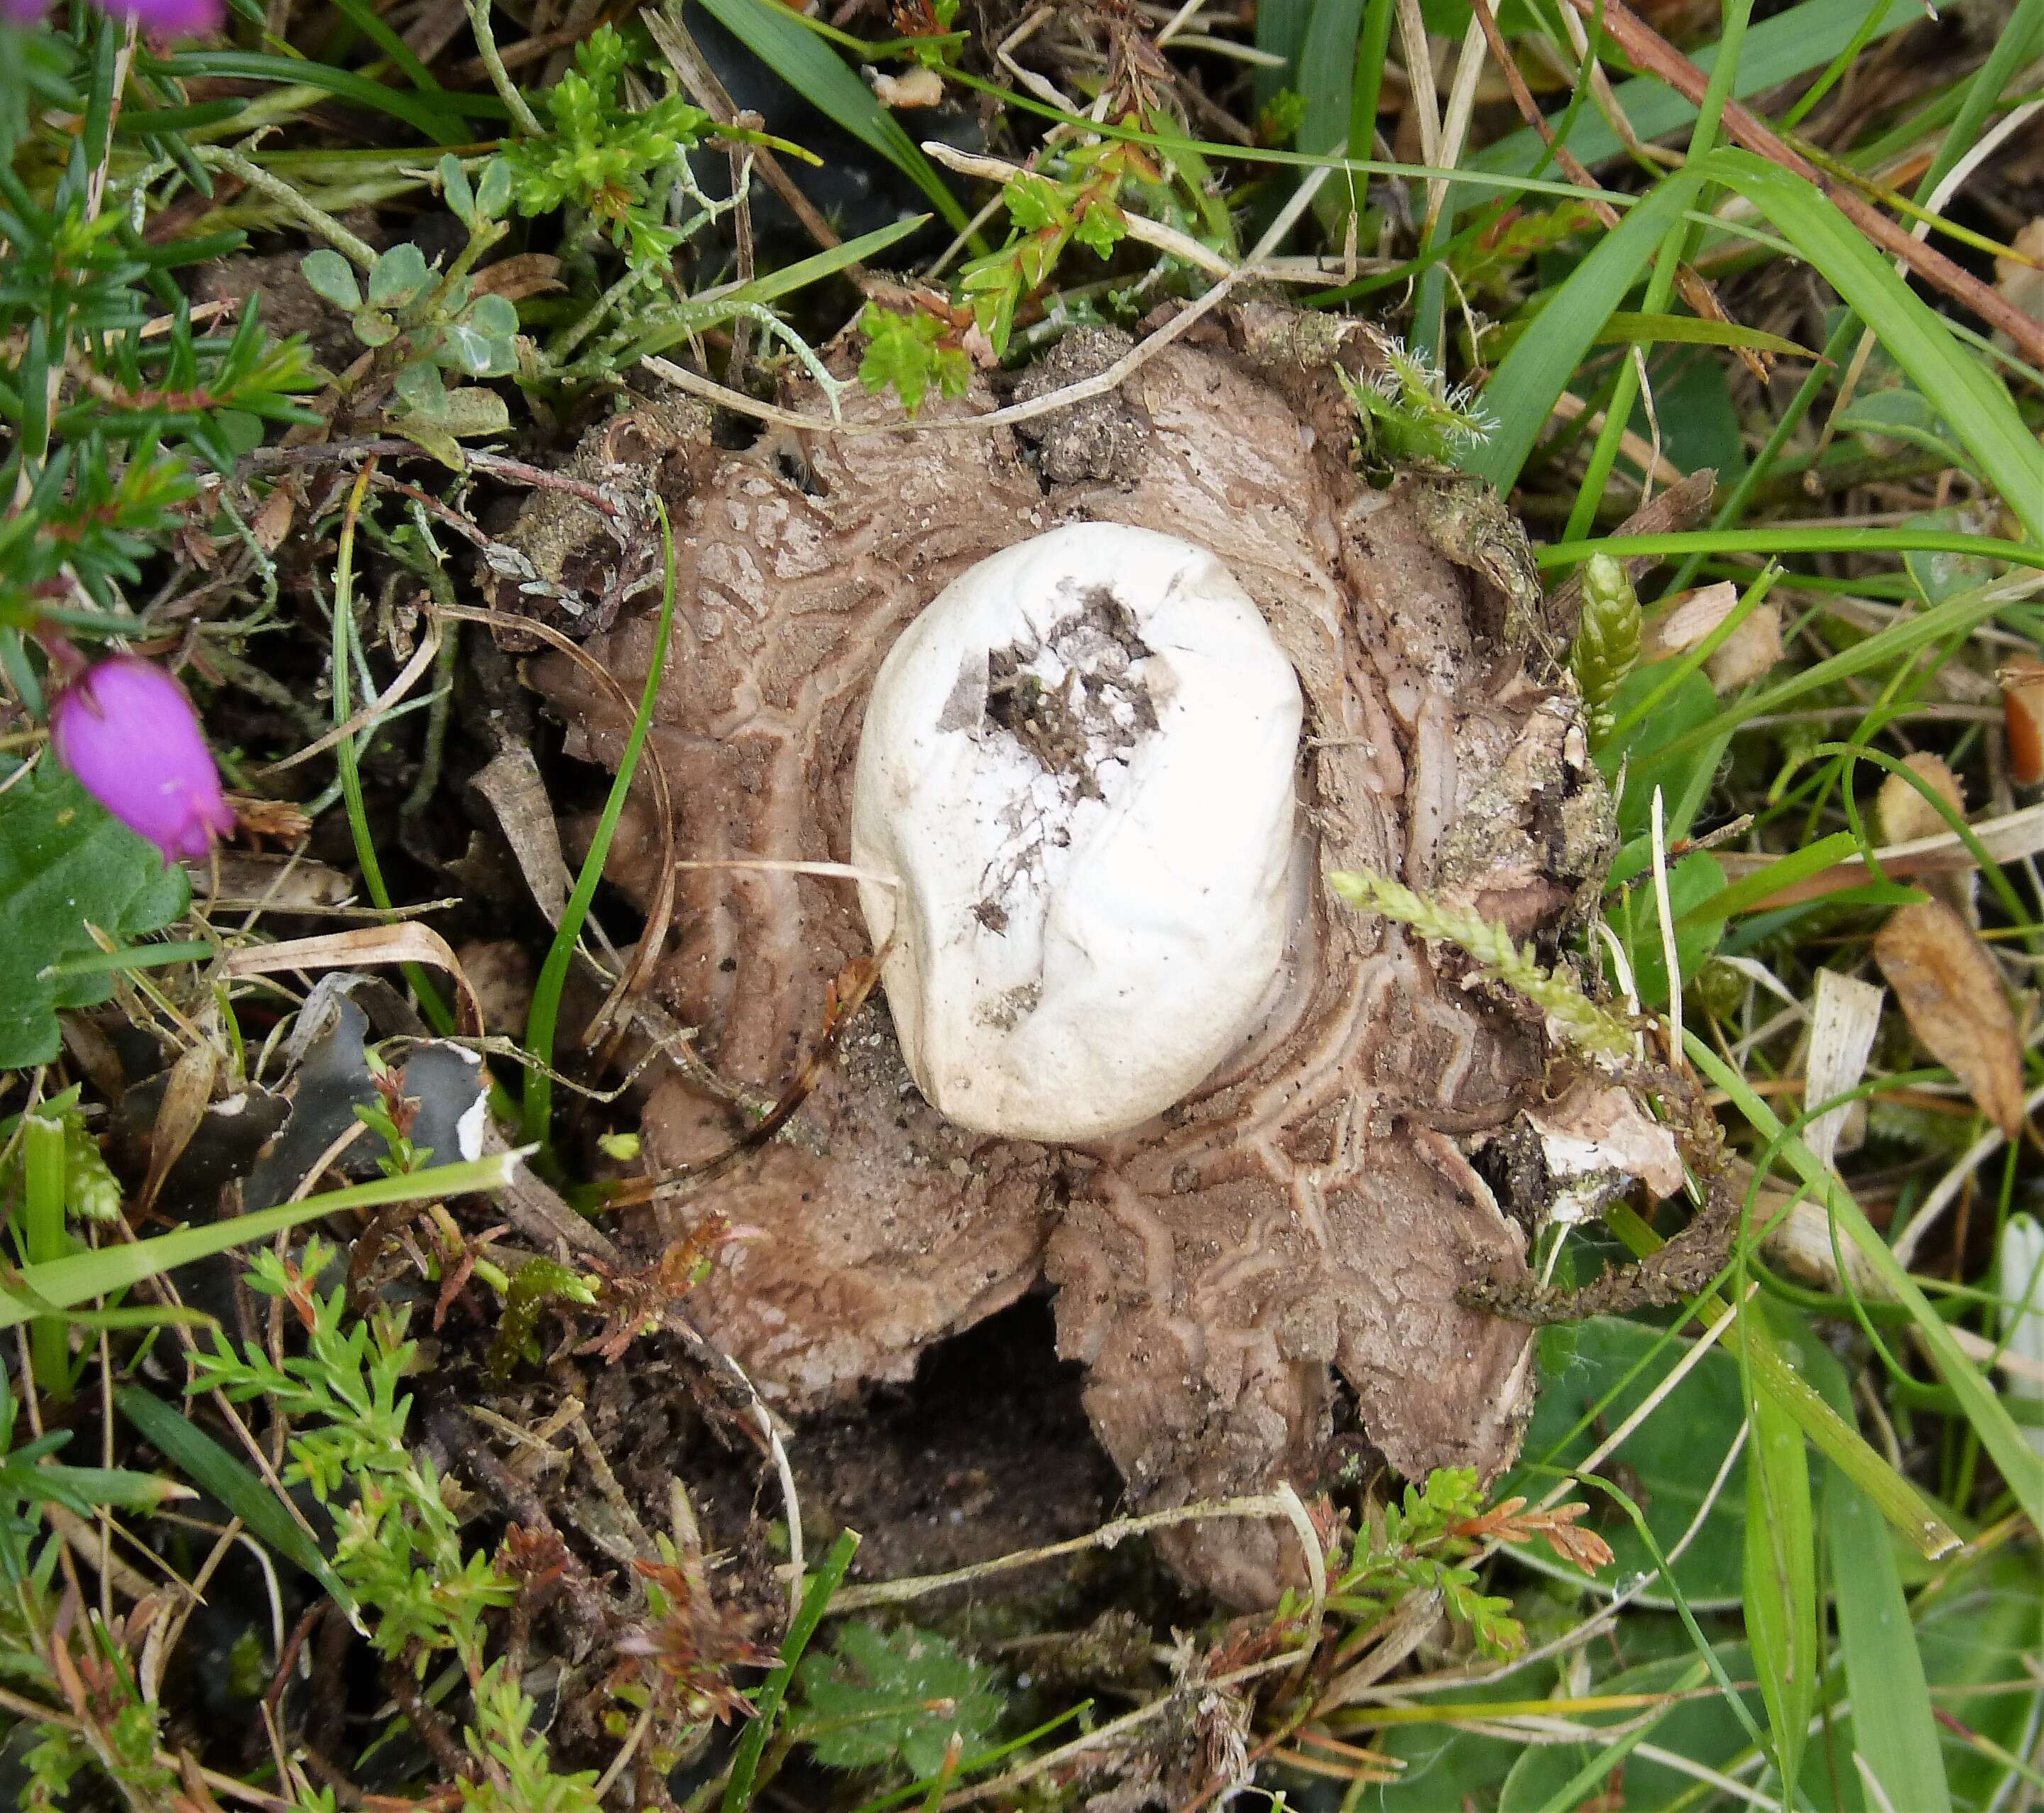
(1781, 1575)
(1895, 1729)
(1327, 74)
(206, 1464)
(817, 74)
(61, 1283)
(1530, 379)
(441, 116)
(2021, 1467)
(43, 1240)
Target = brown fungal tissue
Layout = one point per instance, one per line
(1310, 1210)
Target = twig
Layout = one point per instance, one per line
(1108, 1535)
(360, 251)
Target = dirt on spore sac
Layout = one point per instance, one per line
(1312, 1214)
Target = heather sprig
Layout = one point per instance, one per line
(114, 401)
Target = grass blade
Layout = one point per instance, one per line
(816, 1599)
(1530, 379)
(1973, 402)
(544, 1013)
(1894, 1730)
(61, 1283)
(1780, 1593)
(1327, 74)
(441, 116)
(796, 55)
(2021, 1467)
(42, 1239)
(1789, 540)
(206, 1464)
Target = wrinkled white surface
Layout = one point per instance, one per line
(1143, 928)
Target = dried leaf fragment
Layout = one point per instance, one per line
(1904, 813)
(1952, 996)
(2022, 717)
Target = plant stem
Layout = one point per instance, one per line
(522, 116)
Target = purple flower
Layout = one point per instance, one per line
(173, 18)
(124, 727)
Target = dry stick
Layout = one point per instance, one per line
(1265, 1506)
(1645, 47)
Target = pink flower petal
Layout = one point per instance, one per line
(125, 729)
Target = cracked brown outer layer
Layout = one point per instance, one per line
(1297, 1216)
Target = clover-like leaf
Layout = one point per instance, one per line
(456, 190)
(332, 276)
(492, 188)
(400, 275)
(495, 316)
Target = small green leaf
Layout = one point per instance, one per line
(1100, 228)
(418, 386)
(493, 192)
(65, 863)
(374, 328)
(1033, 202)
(465, 349)
(495, 317)
(902, 350)
(455, 188)
(879, 1698)
(332, 276)
(471, 412)
(400, 275)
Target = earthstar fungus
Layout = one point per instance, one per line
(1310, 1204)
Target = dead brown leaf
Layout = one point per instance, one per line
(1683, 622)
(1952, 996)
(2022, 720)
(1748, 651)
(1904, 814)
(524, 273)
(366, 947)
